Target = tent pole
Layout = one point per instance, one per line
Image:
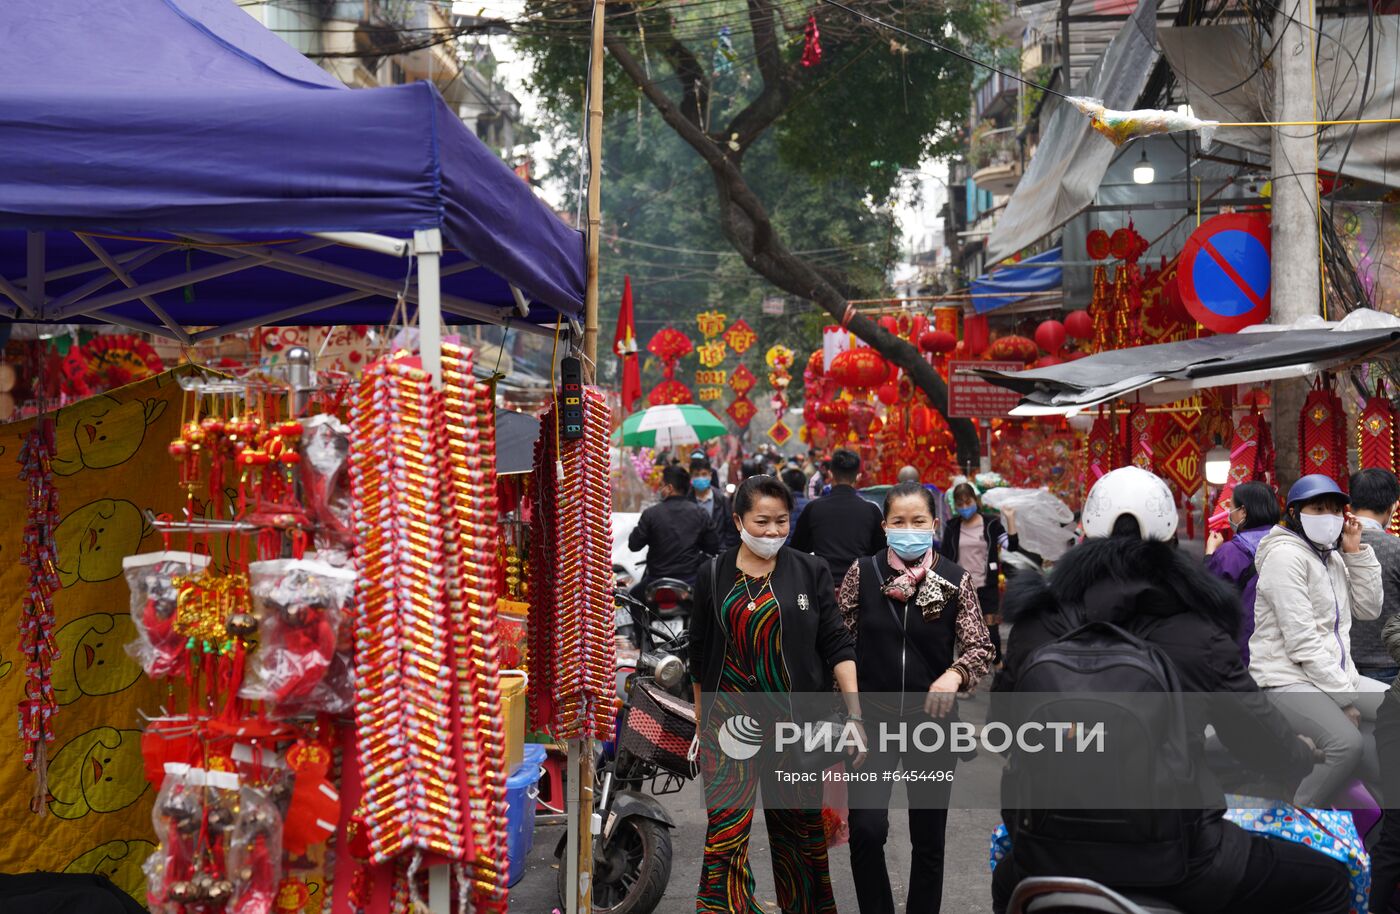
(34, 262)
(427, 247)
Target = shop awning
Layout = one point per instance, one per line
(178, 147)
(1171, 371)
(1011, 284)
(1069, 164)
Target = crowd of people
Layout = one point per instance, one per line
(802, 581)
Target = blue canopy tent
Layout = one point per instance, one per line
(211, 176)
(1010, 284)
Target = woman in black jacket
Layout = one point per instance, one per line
(765, 622)
(920, 640)
(975, 542)
(1130, 573)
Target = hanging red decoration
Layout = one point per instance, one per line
(741, 380)
(742, 411)
(740, 336)
(921, 420)
(1101, 449)
(860, 414)
(1127, 244)
(977, 334)
(888, 393)
(1101, 311)
(811, 43)
(1375, 434)
(669, 392)
(937, 342)
(1140, 437)
(108, 361)
(815, 368)
(1079, 325)
(859, 369)
(1050, 336)
(1244, 450)
(1097, 244)
(1014, 349)
(670, 346)
(1322, 440)
(834, 413)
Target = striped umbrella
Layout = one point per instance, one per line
(671, 425)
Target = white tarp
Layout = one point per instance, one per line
(1044, 524)
(1069, 164)
(1219, 66)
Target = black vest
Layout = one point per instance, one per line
(884, 663)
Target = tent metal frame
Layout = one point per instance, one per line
(94, 298)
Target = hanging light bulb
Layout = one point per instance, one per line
(1143, 172)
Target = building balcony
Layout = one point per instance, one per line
(996, 161)
(995, 97)
(999, 178)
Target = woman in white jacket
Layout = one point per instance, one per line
(1314, 576)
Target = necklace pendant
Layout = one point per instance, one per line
(752, 606)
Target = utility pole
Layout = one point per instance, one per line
(1296, 283)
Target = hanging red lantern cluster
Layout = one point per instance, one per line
(670, 346)
(1013, 349)
(1322, 435)
(859, 369)
(937, 342)
(669, 392)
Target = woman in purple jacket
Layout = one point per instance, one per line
(1253, 513)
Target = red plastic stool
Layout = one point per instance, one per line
(551, 798)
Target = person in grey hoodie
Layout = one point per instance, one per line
(1374, 494)
(1314, 575)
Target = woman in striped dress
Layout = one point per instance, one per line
(765, 622)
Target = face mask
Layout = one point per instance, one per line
(910, 544)
(966, 512)
(1323, 529)
(765, 547)
(701, 484)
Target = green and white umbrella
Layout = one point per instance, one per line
(671, 425)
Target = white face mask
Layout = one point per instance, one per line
(765, 547)
(1323, 529)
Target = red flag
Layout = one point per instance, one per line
(625, 345)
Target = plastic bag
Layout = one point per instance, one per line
(1044, 524)
(325, 451)
(159, 648)
(300, 604)
(255, 854)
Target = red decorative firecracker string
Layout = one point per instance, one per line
(1322, 440)
(1140, 437)
(571, 606)
(1100, 447)
(36, 629)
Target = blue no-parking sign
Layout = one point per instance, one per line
(1225, 272)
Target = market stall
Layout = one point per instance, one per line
(271, 534)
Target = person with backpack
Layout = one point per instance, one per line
(1315, 574)
(1253, 513)
(920, 640)
(1127, 611)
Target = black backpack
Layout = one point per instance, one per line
(1102, 673)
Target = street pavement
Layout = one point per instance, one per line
(966, 885)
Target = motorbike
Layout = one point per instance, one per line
(658, 624)
(632, 829)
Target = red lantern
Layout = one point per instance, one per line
(888, 393)
(1079, 325)
(1014, 349)
(1050, 336)
(937, 342)
(921, 420)
(889, 323)
(809, 411)
(1098, 244)
(814, 365)
(976, 335)
(859, 369)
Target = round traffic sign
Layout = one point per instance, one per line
(1225, 272)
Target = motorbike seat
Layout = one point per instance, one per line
(1053, 895)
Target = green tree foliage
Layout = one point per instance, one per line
(761, 154)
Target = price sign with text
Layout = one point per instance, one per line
(972, 397)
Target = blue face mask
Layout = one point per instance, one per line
(967, 511)
(910, 544)
(700, 484)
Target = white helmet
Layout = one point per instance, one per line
(1130, 490)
